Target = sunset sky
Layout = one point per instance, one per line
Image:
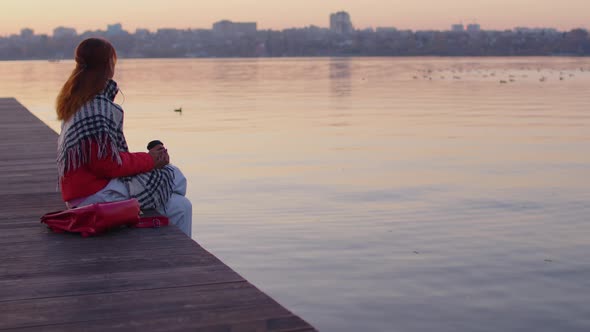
(43, 16)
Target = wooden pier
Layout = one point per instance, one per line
(132, 279)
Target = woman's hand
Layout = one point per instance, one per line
(160, 156)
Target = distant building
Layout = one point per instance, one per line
(385, 29)
(340, 23)
(474, 27)
(227, 28)
(168, 33)
(115, 29)
(142, 33)
(457, 27)
(315, 33)
(548, 31)
(27, 33)
(62, 32)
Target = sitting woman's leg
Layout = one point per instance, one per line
(179, 209)
(115, 191)
(180, 212)
(179, 181)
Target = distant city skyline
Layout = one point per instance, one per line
(44, 16)
(242, 39)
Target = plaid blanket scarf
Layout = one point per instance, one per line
(101, 120)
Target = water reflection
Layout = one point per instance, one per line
(228, 70)
(340, 77)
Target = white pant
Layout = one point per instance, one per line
(178, 208)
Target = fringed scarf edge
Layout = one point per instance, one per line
(78, 155)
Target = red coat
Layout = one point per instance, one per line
(90, 178)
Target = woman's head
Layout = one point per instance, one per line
(96, 55)
(95, 65)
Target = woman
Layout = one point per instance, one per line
(93, 160)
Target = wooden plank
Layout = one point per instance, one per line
(29, 186)
(29, 204)
(222, 320)
(130, 304)
(27, 160)
(165, 324)
(57, 244)
(43, 286)
(115, 238)
(127, 279)
(110, 262)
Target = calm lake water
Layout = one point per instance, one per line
(385, 194)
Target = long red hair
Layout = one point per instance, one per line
(94, 60)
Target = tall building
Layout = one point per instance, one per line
(474, 27)
(27, 33)
(227, 28)
(61, 32)
(457, 27)
(340, 23)
(115, 29)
